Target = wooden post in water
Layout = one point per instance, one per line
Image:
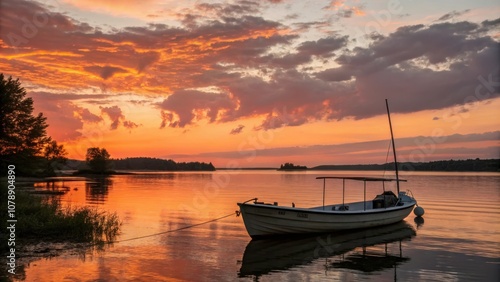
(393, 146)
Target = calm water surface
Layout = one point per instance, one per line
(458, 240)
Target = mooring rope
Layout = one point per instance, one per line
(102, 243)
(173, 230)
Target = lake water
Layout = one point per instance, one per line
(458, 240)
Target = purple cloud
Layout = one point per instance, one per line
(114, 113)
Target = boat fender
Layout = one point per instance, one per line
(275, 203)
(293, 205)
(419, 211)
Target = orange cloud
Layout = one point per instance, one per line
(343, 10)
(155, 58)
(134, 8)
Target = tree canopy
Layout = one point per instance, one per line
(98, 160)
(291, 166)
(143, 163)
(23, 136)
(54, 155)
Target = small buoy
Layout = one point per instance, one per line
(419, 211)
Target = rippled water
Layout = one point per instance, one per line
(458, 240)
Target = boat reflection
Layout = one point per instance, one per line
(282, 253)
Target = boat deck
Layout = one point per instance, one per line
(355, 206)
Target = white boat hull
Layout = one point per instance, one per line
(265, 220)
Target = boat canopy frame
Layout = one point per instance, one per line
(358, 178)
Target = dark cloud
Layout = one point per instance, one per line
(304, 26)
(399, 67)
(289, 98)
(323, 47)
(166, 117)
(190, 20)
(191, 104)
(345, 13)
(147, 59)
(236, 9)
(248, 53)
(104, 72)
(227, 9)
(43, 21)
(237, 130)
(87, 116)
(306, 52)
(452, 14)
(52, 97)
(129, 124)
(492, 23)
(114, 113)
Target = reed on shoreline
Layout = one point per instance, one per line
(44, 219)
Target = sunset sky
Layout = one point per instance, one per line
(258, 83)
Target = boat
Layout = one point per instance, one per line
(267, 219)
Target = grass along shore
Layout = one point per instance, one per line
(43, 219)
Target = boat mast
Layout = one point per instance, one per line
(393, 146)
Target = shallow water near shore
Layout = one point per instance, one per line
(458, 238)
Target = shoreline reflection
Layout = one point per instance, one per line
(97, 189)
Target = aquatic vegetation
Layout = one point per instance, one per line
(44, 219)
(80, 224)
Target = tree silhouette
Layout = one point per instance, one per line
(54, 155)
(22, 135)
(98, 160)
(291, 166)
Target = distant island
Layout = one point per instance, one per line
(290, 166)
(140, 164)
(143, 163)
(489, 165)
